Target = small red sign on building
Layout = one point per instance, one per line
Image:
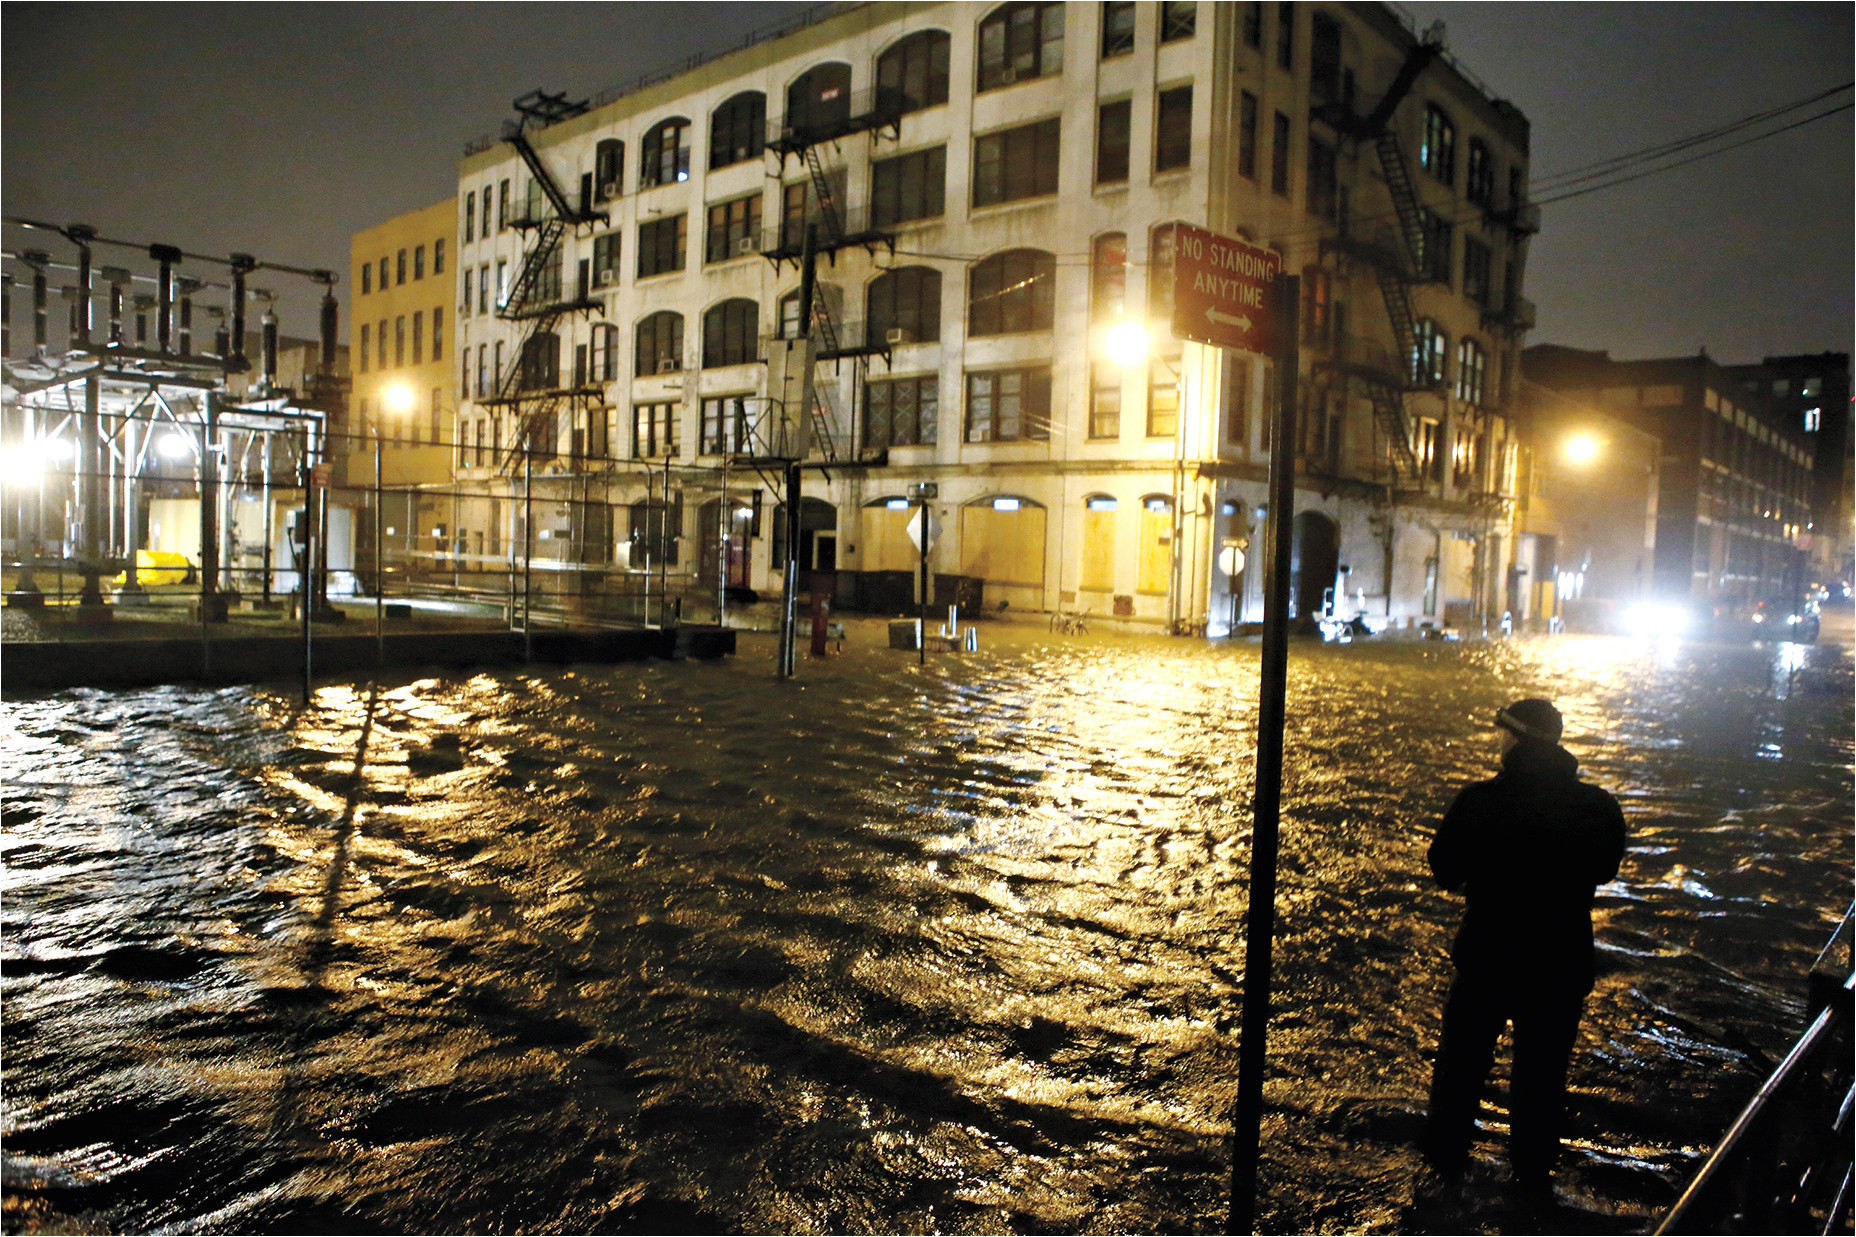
(1222, 289)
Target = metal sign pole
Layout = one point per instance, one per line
(1260, 915)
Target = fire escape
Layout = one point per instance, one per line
(1398, 260)
(818, 119)
(530, 385)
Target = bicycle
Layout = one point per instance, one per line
(1070, 622)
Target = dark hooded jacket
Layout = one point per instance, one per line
(1527, 848)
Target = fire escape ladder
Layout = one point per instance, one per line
(528, 294)
(821, 189)
(1404, 196)
(824, 412)
(1389, 413)
(563, 209)
(824, 330)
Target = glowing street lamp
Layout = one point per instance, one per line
(1126, 342)
(398, 398)
(1581, 449)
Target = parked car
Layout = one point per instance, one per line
(1783, 618)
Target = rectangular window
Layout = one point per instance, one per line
(654, 430)
(734, 229)
(418, 262)
(1247, 135)
(438, 334)
(399, 340)
(483, 288)
(1113, 122)
(502, 283)
(904, 412)
(1173, 130)
(724, 425)
(502, 205)
(1007, 405)
(1179, 19)
(364, 341)
(399, 268)
(1480, 188)
(367, 278)
(1279, 156)
(1236, 400)
(1437, 152)
(1018, 163)
(1253, 23)
(418, 336)
(438, 256)
(1323, 181)
(1476, 264)
(1162, 401)
(1117, 28)
(1439, 247)
(908, 187)
(606, 260)
(470, 217)
(1285, 34)
(469, 294)
(381, 337)
(1105, 400)
(661, 245)
(483, 378)
(383, 274)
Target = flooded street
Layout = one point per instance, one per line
(679, 947)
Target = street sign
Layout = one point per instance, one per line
(1221, 289)
(321, 475)
(915, 529)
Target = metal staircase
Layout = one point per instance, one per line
(539, 298)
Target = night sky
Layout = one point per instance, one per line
(282, 129)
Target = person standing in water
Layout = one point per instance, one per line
(1527, 849)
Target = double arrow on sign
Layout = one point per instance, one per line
(1212, 315)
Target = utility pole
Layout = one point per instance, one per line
(1260, 915)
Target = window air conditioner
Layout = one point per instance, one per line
(746, 245)
(608, 190)
(899, 335)
(607, 276)
(668, 365)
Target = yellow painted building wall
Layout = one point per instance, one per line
(401, 286)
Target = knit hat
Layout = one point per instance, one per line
(1532, 718)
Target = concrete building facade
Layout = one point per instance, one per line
(992, 188)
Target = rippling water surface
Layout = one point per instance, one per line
(680, 947)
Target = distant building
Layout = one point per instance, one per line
(1736, 485)
(1813, 391)
(402, 335)
(1585, 512)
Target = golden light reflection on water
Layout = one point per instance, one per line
(679, 946)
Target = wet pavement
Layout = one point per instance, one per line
(679, 947)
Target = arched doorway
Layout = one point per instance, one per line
(1314, 558)
(818, 538)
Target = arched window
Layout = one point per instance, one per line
(609, 168)
(660, 344)
(826, 295)
(1428, 353)
(1437, 153)
(728, 333)
(1108, 276)
(818, 103)
(1160, 272)
(912, 75)
(1471, 370)
(541, 362)
(1019, 42)
(1012, 291)
(666, 153)
(738, 129)
(906, 300)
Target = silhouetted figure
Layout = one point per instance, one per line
(1527, 848)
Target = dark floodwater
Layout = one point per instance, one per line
(679, 947)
